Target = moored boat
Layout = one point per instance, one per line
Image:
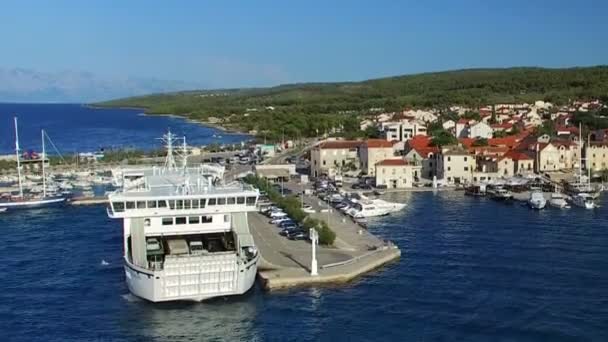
(558, 200)
(583, 200)
(537, 200)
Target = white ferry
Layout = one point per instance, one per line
(186, 237)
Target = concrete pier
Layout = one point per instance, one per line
(286, 263)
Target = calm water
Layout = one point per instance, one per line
(473, 270)
(75, 128)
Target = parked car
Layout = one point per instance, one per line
(280, 220)
(287, 231)
(297, 235)
(289, 226)
(286, 223)
(277, 214)
(308, 209)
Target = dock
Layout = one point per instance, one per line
(286, 263)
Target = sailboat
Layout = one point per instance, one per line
(29, 200)
(582, 194)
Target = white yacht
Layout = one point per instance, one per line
(537, 200)
(583, 200)
(558, 200)
(373, 207)
(186, 237)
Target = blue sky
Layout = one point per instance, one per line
(252, 43)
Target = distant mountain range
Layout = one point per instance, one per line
(26, 85)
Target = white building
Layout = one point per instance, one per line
(396, 173)
(480, 130)
(455, 165)
(403, 130)
(334, 157)
(596, 156)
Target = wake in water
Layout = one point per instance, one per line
(104, 263)
(131, 298)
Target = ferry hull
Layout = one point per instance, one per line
(33, 204)
(152, 286)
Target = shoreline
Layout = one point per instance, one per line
(226, 130)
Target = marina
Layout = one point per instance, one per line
(507, 257)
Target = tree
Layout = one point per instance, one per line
(443, 138)
(472, 115)
(548, 127)
(480, 142)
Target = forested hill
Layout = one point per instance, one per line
(322, 101)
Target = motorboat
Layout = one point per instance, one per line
(501, 194)
(537, 200)
(475, 190)
(583, 200)
(558, 200)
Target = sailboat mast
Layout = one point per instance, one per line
(43, 166)
(580, 153)
(18, 160)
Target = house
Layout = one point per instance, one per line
(480, 130)
(418, 150)
(566, 130)
(455, 165)
(596, 156)
(462, 126)
(403, 130)
(332, 157)
(502, 127)
(448, 124)
(396, 173)
(372, 151)
(523, 163)
(557, 155)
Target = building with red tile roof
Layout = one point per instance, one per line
(377, 143)
(339, 144)
(396, 173)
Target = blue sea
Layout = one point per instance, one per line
(78, 128)
(472, 270)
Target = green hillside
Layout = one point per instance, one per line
(305, 109)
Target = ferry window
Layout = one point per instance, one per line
(180, 220)
(162, 204)
(141, 204)
(194, 220)
(172, 204)
(221, 201)
(167, 221)
(231, 200)
(240, 200)
(151, 204)
(147, 222)
(118, 206)
(179, 204)
(202, 202)
(187, 204)
(226, 218)
(130, 205)
(251, 201)
(206, 219)
(194, 204)
(211, 201)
